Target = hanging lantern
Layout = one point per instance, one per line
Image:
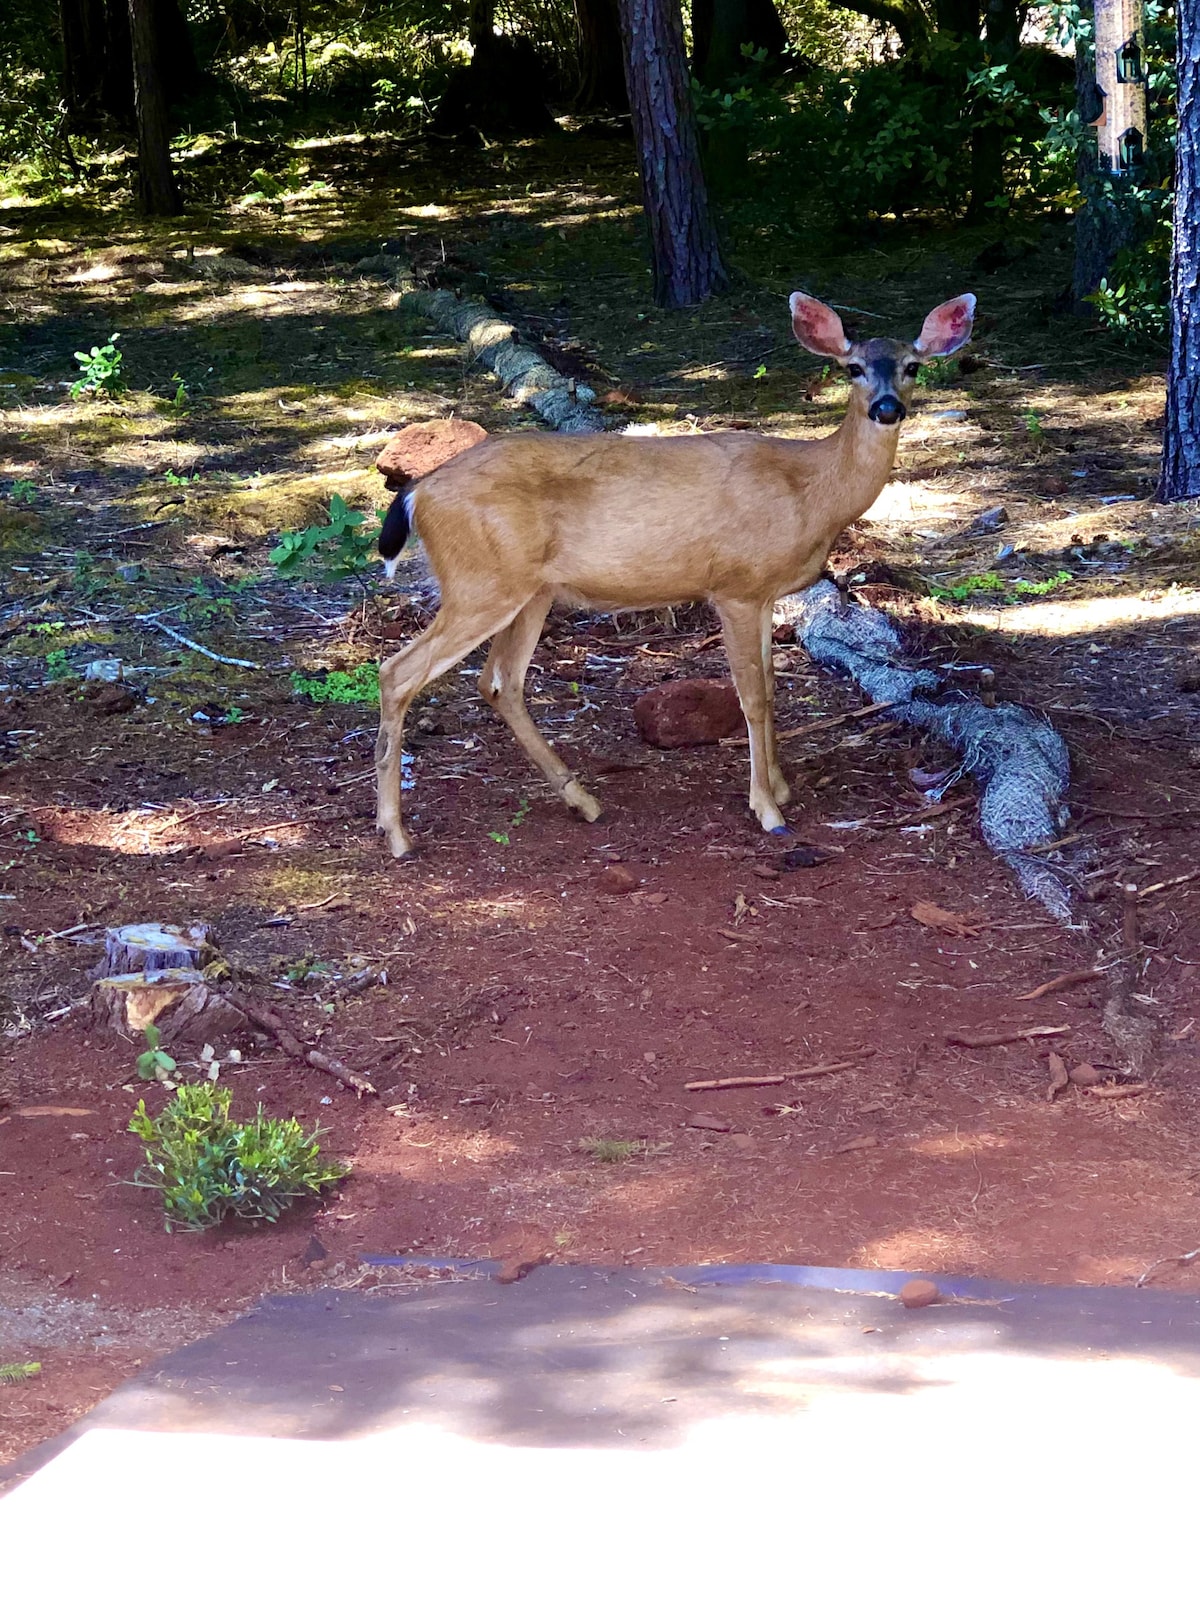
(1129, 62)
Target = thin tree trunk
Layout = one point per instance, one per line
(721, 27)
(1180, 479)
(685, 252)
(156, 189)
(97, 63)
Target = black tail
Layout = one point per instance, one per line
(397, 529)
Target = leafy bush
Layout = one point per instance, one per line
(208, 1167)
(358, 687)
(100, 371)
(335, 549)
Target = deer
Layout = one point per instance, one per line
(614, 522)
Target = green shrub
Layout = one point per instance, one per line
(358, 687)
(334, 549)
(100, 371)
(208, 1167)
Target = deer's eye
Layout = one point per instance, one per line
(911, 369)
(853, 370)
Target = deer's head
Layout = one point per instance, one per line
(882, 372)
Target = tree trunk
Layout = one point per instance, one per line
(97, 61)
(1002, 32)
(685, 252)
(602, 58)
(721, 27)
(156, 191)
(1180, 479)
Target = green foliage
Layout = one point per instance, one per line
(100, 372)
(153, 1062)
(23, 492)
(358, 687)
(206, 1166)
(995, 583)
(334, 549)
(611, 1151)
(57, 666)
(515, 821)
(19, 1371)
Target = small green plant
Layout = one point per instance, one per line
(1033, 426)
(153, 1062)
(206, 1166)
(307, 967)
(202, 605)
(993, 583)
(19, 1371)
(515, 821)
(935, 371)
(358, 687)
(58, 667)
(23, 491)
(100, 371)
(611, 1151)
(83, 572)
(180, 401)
(180, 480)
(334, 549)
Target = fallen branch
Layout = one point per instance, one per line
(526, 375)
(984, 1041)
(770, 1082)
(182, 638)
(1065, 980)
(263, 1017)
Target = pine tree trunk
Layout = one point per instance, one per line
(156, 189)
(685, 252)
(1180, 479)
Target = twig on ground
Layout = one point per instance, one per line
(182, 638)
(1169, 883)
(1166, 1261)
(984, 1041)
(1065, 980)
(274, 1024)
(769, 1082)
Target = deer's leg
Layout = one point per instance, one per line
(402, 676)
(742, 625)
(779, 784)
(502, 685)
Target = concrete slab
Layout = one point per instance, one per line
(689, 1432)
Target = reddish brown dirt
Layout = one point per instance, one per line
(525, 1011)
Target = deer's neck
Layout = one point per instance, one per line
(861, 457)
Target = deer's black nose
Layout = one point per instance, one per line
(888, 410)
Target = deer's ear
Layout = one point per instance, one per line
(947, 327)
(818, 328)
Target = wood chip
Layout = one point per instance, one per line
(53, 1111)
(1059, 1077)
(932, 916)
(864, 1141)
(1117, 1091)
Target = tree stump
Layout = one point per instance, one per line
(155, 947)
(152, 973)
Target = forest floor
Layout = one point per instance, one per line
(525, 1009)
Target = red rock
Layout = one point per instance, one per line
(691, 711)
(421, 446)
(616, 880)
(918, 1293)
